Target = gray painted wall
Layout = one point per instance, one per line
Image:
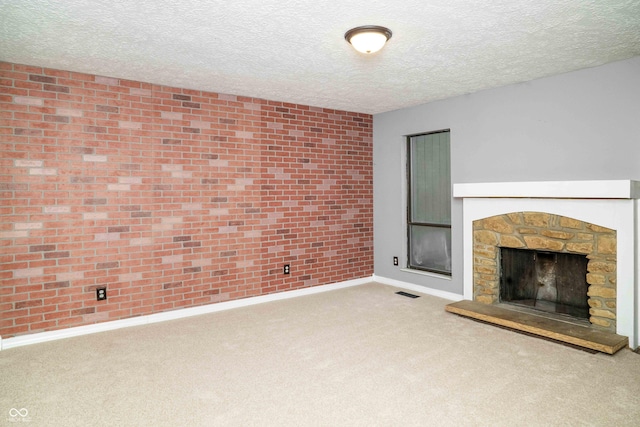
(583, 125)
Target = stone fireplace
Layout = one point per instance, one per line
(595, 219)
(548, 237)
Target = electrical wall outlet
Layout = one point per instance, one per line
(101, 294)
(287, 269)
(395, 260)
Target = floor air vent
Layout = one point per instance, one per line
(408, 295)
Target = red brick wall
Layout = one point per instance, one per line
(169, 197)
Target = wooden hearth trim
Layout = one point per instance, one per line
(582, 336)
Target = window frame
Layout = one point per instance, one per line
(409, 221)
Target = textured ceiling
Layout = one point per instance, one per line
(294, 50)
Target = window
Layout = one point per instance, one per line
(429, 202)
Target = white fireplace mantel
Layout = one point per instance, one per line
(619, 189)
(608, 203)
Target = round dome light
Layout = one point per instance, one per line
(368, 38)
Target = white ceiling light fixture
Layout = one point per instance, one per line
(368, 38)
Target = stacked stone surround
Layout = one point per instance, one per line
(553, 233)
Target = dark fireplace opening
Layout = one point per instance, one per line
(553, 282)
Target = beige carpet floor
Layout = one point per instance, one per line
(360, 356)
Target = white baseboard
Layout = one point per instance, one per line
(417, 288)
(41, 337)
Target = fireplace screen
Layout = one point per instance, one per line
(548, 281)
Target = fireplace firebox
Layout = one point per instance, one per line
(552, 282)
